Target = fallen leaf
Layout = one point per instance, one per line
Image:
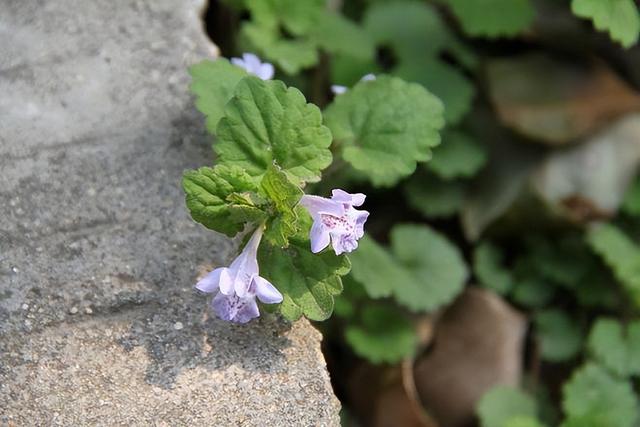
(557, 101)
(478, 343)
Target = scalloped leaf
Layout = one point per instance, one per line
(593, 398)
(616, 347)
(266, 123)
(445, 81)
(408, 27)
(436, 264)
(433, 197)
(284, 196)
(506, 17)
(503, 403)
(422, 271)
(223, 198)
(383, 334)
(488, 267)
(307, 281)
(620, 253)
(560, 337)
(631, 202)
(339, 35)
(384, 127)
(620, 18)
(458, 156)
(417, 36)
(213, 83)
(376, 269)
(290, 55)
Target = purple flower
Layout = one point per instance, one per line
(336, 220)
(238, 285)
(252, 64)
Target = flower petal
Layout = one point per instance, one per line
(211, 281)
(266, 292)
(343, 243)
(336, 243)
(360, 220)
(342, 196)
(226, 282)
(319, 236)
(234, 309)
(265, 71)
(252, 62)
(248, 310)
(317, 205)
(238, 62)
(338, 89)
(245, 266)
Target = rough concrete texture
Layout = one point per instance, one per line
(99, 324)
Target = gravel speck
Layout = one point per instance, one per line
(73, 310)
(178, 325)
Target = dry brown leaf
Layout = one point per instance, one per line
(557, 101)
(478, 343)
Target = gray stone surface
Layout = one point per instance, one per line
(99, 324)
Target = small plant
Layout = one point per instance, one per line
(526, 188)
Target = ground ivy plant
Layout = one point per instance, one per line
(487, 163)
(270, 145)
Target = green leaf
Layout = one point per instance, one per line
(385, 127)
(560, 337)
(445, 81)
(343, 307)
(620, 253)
(616, 347)
(423, 271)
(433, 197)
(347, 71)
(289, 55)
(418, 37)
(213, 83)
(459, 155)
(285, 196)
(619, 18)
(532, 292)
(564, 260)
(376, 269)
(523, 421)
(506, 17)
(266, 123)
(297, 16)
(339, 35)
(436, 264)
(489, 269)
(383, 335)
(598, 289)
(222, 198)
(631, 202)
(503, 403)
(307, 281)
(593, 398)
(408, 27)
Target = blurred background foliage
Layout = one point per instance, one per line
(499, 284)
